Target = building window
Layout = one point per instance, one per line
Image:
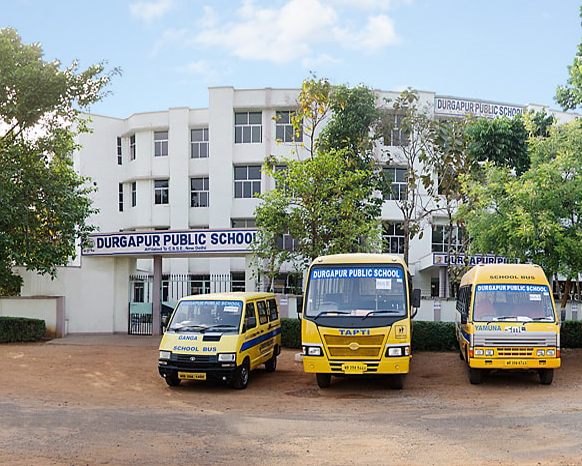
(138, 292)
(440, 239)
(284, 130)
(237, 281)
(199, 143)
(247, 181)
(132, 147)
(199, 284)
(199, 192)
(248, 127)
(397, 136)
(119, 152)
(397, 176)
(161, 191)
(160, 143)
(243, 223)
(285, 242)
(120, 197)
(133, 194)
(392, 238)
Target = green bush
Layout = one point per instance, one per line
(291, 333)
(433, 336)
(21, 329)
(571, 334)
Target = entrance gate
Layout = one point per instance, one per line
(173, 288)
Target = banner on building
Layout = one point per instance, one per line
(452, 106)
(439, 258)
(171, 242)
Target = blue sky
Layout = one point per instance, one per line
(171, 51)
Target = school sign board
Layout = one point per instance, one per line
(171, 242)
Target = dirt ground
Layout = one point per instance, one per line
(92, 402)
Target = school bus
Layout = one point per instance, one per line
(356, 317)
(506, 319)
(221, 336)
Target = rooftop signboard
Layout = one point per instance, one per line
(456, 107)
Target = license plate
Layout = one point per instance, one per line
(516, 363)
(354, 368)
(192, 375)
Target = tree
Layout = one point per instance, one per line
(326, 198)
(570, 95)
(502, 141)
(44, 203)
(415, 141)
(323, 203)
(536, 217)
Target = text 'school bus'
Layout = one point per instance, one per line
(356, 317)
(221, 336)
(506, 319)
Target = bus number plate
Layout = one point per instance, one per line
(516, 363)
(354, 368)
(192, 375)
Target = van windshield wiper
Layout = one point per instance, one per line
(223, 326)
(190, 326)
(382, 311)
(331, 312)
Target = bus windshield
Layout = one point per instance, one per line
(205, 315)
(356, 290)
(513, 302)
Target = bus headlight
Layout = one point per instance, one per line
(395, 351)
(478, 352)
(227, 357)
(488, 352)
(541, 353)
(312, 350)
(551, 352)
(165, 354)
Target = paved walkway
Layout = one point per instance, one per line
(107, 339)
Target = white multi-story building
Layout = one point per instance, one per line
(199, 169)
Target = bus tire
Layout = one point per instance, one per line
(475, 376)
(172, 381)
(271, 364)
(323, 380)
(546, 376)
(397, 381)
(241, 376)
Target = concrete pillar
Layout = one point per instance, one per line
(442, 282)
(156, 296)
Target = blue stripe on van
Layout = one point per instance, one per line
(260, 339)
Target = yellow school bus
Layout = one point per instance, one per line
(221, 336)
(356, 317)
(506, 319)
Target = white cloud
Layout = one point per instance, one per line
(148, 11)
(171, 36)
(200, 68)
(299, 30)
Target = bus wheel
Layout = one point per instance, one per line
(323, 380)
(172, 381)
(546, 376)
(271, 364)
(241, 376)
(397, 381)
(475, 376)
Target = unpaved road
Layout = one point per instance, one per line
(77, 404)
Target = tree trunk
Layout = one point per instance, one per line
(565, 297)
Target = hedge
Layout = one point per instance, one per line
(21, 329)
(433, 336)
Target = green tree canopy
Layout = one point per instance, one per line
(569, 96)
(44, 203)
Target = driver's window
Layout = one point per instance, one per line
(250, 316)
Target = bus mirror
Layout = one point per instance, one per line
(165, 319)
(416, 298)
(463, 319)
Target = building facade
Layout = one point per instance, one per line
(197, 169)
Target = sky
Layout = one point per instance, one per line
(171, 51)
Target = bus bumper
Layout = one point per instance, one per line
(321, 365)
(514, 363)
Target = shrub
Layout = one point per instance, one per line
(21, 329)
(570, 334)
(290, 333)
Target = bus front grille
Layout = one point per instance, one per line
(358, 346)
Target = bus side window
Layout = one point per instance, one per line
(262, 308)
(273, 312)
(250, 316)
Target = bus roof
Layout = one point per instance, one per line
(504, 273)
(230, 296)
(358, 258)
